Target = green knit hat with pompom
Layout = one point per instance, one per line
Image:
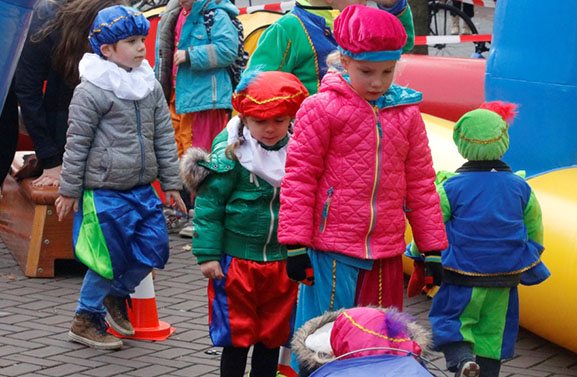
(481, 134)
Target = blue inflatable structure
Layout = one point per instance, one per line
(533, 63)
(15, 17)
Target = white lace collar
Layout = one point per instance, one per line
(266, 164)
(133, 85)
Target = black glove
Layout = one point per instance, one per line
(433, 269)
(298, 266)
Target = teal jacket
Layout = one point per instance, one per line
(203, 83)
(236, 213)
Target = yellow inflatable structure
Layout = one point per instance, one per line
(550, 308)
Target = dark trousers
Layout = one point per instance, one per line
(468, 9)
(264, 362)
(458, 352)
(8, 132)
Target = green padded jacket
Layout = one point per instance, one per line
(236, 212)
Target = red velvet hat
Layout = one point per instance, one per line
(268, 94)
(366, 33)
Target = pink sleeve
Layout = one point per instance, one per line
(304, 167)
(422, 202)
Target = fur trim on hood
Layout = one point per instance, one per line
(191, 172)
(313, 360)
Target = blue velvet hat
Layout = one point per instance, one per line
(115, 23)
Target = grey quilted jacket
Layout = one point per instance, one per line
(118, 144)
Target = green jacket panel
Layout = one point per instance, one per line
(284, 46)
(236, 213)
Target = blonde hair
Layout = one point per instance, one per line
(334, 62)
(229, 150)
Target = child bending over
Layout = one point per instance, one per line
(358, 163)
(251, 298)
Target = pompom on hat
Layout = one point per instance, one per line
(115, 23)
(267, 94)
(482, 134)
(366, 33)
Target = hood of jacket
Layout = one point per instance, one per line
(198, 7)
(313, 360)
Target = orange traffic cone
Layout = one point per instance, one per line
(144, 316)
(284, 363)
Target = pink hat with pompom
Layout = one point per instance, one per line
(366, 33)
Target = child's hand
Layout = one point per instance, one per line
(211, 270)
(179, 57)
(300, 269)
(63, 206)
(173, 196)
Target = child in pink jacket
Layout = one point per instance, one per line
(358, 165)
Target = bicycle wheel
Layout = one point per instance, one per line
(440, 22)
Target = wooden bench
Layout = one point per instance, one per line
(29, 226)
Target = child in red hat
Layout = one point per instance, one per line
(358, 165)
(251, 298)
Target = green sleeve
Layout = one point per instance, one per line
(272, 51)
(406, 19)
(445, 205)
(533, 219)
(445, 208)
(209, 209)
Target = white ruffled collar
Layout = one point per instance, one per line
(133, 85)
(266, 164)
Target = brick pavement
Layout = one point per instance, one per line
(35, 316)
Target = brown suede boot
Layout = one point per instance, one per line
(117, 315)
(90, 329)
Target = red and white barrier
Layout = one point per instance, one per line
(283, 7)
(286, 6)
(481, 3)
(449, 39)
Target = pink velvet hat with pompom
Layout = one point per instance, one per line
(366, 33)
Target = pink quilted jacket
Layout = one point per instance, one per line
(353, 173)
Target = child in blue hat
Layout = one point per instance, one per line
(119, 140)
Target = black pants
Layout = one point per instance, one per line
(459, 352)
(264, 361)
(8, 132)
(468, 9)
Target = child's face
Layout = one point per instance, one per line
(268, 131)
(127, 53)
(370, 79)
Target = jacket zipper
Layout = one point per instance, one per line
(373, 206)
(326, 209)
(271, 227)
(213, 92)
(139, 128)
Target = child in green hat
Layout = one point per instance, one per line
(495, 233)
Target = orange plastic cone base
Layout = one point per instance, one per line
(144, 319)
(287, 371)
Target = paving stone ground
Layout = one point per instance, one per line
(35, 316)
